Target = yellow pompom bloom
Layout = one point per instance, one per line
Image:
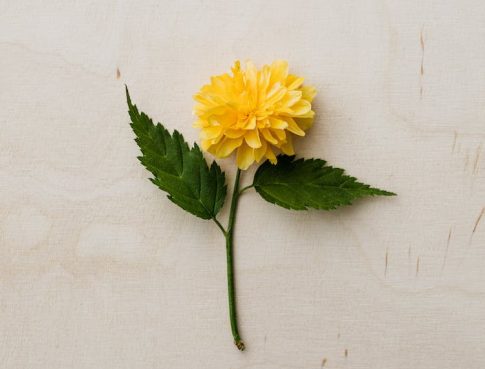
(253, 111)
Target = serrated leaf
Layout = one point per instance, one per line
(177, 169)
(309, 183)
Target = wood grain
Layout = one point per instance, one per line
(99, 270)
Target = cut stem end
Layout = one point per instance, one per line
(240, 345)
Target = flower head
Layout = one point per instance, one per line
(253, 111)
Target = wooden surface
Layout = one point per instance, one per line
(99, 270)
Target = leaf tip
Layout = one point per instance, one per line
(127, 94)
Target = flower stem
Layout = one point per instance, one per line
(230, 265)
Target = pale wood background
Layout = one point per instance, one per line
(99, 270)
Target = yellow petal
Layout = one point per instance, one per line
(208, 133)
(251, 123)
(245, 156)
(304, 123)
(291, 98)
(287, 147)
(293, 82)
(270, 155)
(234, 133)
(227, 146)
(301, 107)
(277, 123)
(203, 99)
(263, 82)
(206, 144)
(237, 75)
(199, 123)
(252, 138)
(309, 114)
(275, 94)
(279, 133)
(268, 136)
(228, 119)
(259, 152)
(279, 71)
(293, 127)
(309, 92)
(252, 79)
(217, 110)
(237, 67)
(219, 83)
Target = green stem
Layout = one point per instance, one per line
(230, 265)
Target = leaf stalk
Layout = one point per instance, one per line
(221, 227)
(245, 188)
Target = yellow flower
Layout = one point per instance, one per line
(253, 111)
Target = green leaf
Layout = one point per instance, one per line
(310, 183)
(180, 171)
